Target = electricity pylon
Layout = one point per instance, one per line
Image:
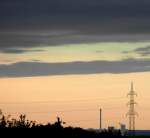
(132, 113)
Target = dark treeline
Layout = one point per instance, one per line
(22, 127)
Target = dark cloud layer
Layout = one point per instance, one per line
(29, 23)
(21, 42)
(28, 69)
(77, 7)
(124, 15)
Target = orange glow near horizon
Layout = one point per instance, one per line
(77, 98)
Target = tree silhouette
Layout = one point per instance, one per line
(51, 130)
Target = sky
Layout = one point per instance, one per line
(64, 41)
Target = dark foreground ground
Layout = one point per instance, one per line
(68, 132)
(22, 127)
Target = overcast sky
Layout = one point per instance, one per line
(74, 30)
(86, 15)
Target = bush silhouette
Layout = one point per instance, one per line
(31, 128)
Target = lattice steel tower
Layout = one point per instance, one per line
(132, 113)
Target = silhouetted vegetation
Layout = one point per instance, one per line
(15, 127)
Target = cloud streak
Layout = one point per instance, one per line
(145, 51)
(19, 50)
(142, 51)
(21, 42)
(29, 69)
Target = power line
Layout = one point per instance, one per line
(65, 101)
(63, 111)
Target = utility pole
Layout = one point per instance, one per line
(132, 113)
(100, 123)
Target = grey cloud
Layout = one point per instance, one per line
(14, 51)
(77, 7)
(145, 51)
(83, 15)
(142, 49)
(20, 42)
(28, 23)
(27, 69)
(18, 50)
